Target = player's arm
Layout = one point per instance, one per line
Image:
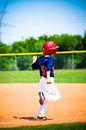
(48, 77)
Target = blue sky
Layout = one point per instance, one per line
(38, 17)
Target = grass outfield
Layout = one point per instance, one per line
(69, 126)
(61, 76)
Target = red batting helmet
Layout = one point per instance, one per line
(49, 48)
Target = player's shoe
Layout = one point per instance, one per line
(41, 98)
(42, 118)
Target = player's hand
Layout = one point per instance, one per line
(48, 81)
(34, 58)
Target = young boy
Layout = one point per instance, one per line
(48, 90)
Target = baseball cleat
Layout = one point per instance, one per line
(42, 118)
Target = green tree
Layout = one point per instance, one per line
(67, 42)
(78, 43)
(43, 38)
(17, 47)
(84, 41)
(4, 48)
(29, 44)
(38, 45)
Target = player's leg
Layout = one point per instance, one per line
(41, 98)
(42, 106)
(41, 111)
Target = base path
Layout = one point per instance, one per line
(19, 104)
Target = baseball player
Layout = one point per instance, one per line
(47, 88)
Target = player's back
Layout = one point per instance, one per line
(46, 63)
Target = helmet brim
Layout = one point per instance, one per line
(54, 47)
(57, 46)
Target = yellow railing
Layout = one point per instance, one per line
(40, 53)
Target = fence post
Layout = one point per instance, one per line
(73, 61)
(15, 63)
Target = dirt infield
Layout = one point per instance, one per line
(19, 105)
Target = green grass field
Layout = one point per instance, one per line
(69, 126)
(61, 76)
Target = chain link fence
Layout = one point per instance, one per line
(62, 60)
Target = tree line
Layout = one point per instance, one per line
(65, 41)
